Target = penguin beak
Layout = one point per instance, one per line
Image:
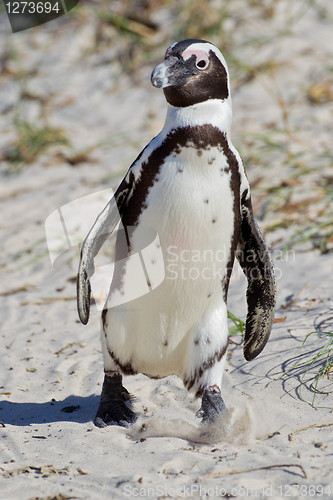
(170, 73)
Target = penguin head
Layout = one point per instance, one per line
(193, 71)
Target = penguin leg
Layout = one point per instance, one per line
(206, 381)
(212, 404)
(115, 407)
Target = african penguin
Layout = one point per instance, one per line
(188, 196)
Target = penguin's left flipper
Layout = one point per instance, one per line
(254, 258)
(98, 234)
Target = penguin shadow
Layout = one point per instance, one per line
(72, 409)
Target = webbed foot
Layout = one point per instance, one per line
(115, 407)
(212, 405)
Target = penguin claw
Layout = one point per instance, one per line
(114, 413)
(107, 421)
(99, 422)
(199, 413)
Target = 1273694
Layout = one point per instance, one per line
(21, 7)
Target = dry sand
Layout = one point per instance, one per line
(273, 443)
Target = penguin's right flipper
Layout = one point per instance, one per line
(98, 234)
(254, 258)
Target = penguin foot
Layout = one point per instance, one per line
(115, 407)
(212, 405)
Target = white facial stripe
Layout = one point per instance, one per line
(206, 48)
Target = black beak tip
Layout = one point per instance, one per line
(160, 75)
(156, 82)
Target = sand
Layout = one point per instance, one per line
(274, 443)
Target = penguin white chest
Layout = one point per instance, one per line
(190, 207)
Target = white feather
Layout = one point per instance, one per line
(192, 213)
(215, 112)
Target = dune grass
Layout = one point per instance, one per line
(317, 366)
(238, 325)
(323, 356)
(31, 141)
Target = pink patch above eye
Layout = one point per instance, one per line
(199, 54)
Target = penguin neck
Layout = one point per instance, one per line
(214, 112)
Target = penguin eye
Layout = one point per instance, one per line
(201, 64)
